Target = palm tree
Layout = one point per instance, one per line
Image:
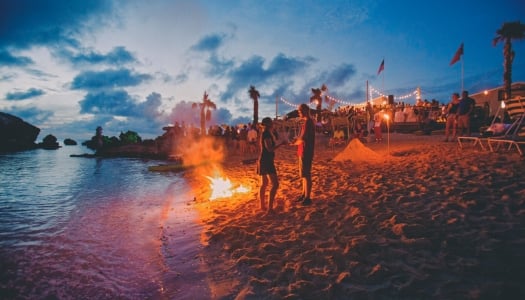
(205, 106)
(318, 98)
(254, 94)
(509, 31)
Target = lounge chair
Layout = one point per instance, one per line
(495, 129)
(514, 137)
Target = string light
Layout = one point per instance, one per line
(293, 104)
(342, 101)
(409, 95)
(416, 93)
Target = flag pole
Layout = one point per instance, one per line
(368, 127)
(276, 108)
(383, 78)
(462, 74)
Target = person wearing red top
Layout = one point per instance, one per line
(305, 152)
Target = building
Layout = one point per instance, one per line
(492, 98)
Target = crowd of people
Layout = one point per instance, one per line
(263, 139)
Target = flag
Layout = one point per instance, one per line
(381, 67)
(457, 56)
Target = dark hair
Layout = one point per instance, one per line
(304, 108)
(266, 121)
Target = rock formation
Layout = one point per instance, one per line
(16, 134)
(49, 143)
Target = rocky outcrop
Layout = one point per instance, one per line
(16, 134)
(70, 142)
(49, 143)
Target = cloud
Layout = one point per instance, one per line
(253, 72)
(116, 111)
(120, 103)
(182, 112)
(218, 67)
(108, 102)
(31, 115)
(30, 93)
(209, 43)
(7, 59)
(25, 23)
(339, 76)
(117, 56)
(150, 108)
(108, 79)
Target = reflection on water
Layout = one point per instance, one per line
(88, 228)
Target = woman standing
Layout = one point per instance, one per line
(266, 166)
(451, 112)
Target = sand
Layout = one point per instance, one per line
(412, 218)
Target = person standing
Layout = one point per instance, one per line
(252, 139)
(377, 126)
(243, 139)
(451, 112)
(305, 143)
(266, 165)
(465, 108)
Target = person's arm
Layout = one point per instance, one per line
(268, 145)
(300, 138)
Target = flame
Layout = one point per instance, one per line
(222, 187)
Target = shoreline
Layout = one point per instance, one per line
(428, 220)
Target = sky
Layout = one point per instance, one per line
(68, 66)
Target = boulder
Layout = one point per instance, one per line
(70, 142)
(49, 142)
(16, 134)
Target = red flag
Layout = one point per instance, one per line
(457, 56)
(381, 67)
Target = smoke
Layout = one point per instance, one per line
(205, 154)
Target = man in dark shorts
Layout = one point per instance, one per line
(305, 152)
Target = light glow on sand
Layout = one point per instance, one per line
(222, 187)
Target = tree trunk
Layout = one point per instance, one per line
(507, 72)
(203, 121)
(255, 111)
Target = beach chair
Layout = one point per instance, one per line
(481, 139)
(514, 137)
(496, 130)
(474, 140)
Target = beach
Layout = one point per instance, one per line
(411, 217)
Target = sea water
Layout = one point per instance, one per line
(94, 228)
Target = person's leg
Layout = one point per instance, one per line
(273, 190)
(262, 191)
(303, 185)
(307, 181)
(308, 186)
(447, 128)
(459, 126)
(454, 127)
